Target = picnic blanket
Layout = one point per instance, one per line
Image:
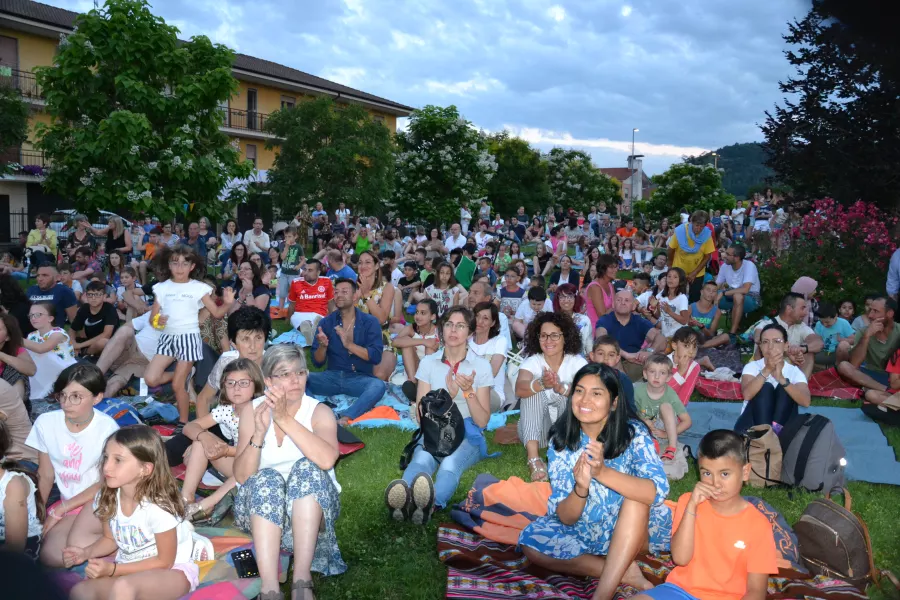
(869, 455)
(218, 578)
(500, 509)
(824, 384)
(481, 569)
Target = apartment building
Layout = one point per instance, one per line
(29, 35)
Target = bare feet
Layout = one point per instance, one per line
(635, 578)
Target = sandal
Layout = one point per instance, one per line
(300, 586)
(537, 468)
(669, 454)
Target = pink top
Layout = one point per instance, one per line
(589, 306)
(684, 385)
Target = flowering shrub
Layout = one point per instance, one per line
(845, 249)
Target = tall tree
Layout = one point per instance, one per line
(521, 178)
(135, 117)
(13, 122)
(742, 166)
(838, 130)
(685, 186)
(330, 153)
(443, 164)
(576, 183)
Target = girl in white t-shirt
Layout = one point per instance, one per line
(50, 349)
(241, 382)
(143, 523)
(69, 444)
(673, 309)
(175, 312)
(21, 508)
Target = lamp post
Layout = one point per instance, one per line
(716, 159)
(631, 191)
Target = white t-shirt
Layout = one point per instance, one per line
(525, 313)
(453, 243)
(225, 359)
(76, 287)
(34, 526)
(257, 243)
(667, 324)
(644, 299)
(762, 223)
(737, 214)
(790, 372)
(146, 337)
(228, 421)
(181, 302)
(494, 346)
(136, 535)
(481, 240)
(433, 371)
(75, 456)
(570, 365)
(343, 216)
(396, 276)
(735, 279)
(797, 334)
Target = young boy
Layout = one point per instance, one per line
(527, 311)
(658, 405)
(149, 252)
(292, 260)
(511, 294)
(642, 292)
(705, 316)
(486, 269)
(410, 282)
(94, 322)
(722, 546)
(659, 266)
(608, 352)
(130, 299)
(65, 278)
(833, 330)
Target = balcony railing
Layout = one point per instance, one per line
(27, 162)
(244, 119)
(23, 81)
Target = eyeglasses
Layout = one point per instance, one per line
(175, 264)
(74, 399)
(36, 315)
(566, 297)
(94, 294)
(285, 376)
(458, 326)
(555, 337)
(776, 341)
(241, 383)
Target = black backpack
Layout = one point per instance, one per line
(441, 427)
(813, 456)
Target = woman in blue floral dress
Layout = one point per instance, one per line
(608, 489)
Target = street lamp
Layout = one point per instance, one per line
(630, 200)
(716, 159)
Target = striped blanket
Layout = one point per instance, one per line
(824, 384)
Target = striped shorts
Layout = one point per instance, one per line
(184, 347)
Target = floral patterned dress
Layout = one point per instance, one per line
(592, 533)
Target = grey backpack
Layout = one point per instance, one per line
(813, 456)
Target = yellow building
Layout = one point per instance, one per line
(29, 35)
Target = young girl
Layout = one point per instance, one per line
(18, 271)
(178, 300)
(672, 308)
(515, 252)
(114, 268)
(686, 370)
(50, 349)
(445, 291)
(241, 382)
(626, 255)
(603, 470)
(143, 523)
(21, 508)
(419, 338)
(69, 443)
(130, 299)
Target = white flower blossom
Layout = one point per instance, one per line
(189, 164)
(186, 128)
(93, 170)
(146, 194)
(153, 164)
(135, 149)
(88, 45)
(176, 161)
(63, 40)
(132, 196)
(86, 181)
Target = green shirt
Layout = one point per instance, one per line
(648, 408)
(292, 260)
(878, 353)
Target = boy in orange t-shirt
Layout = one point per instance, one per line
(723, 548)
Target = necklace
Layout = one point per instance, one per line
(80, 423)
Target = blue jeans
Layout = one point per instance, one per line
(367, 390)
(449, 469)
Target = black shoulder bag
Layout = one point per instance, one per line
(441, 427)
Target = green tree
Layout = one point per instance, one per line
(13, 121)
(685, 186)
(835, 133)
(743, 168)
(330, 153)
(443, 163)
(135, 118)
(576, 183)
(521, 178)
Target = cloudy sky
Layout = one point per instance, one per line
(692, 75)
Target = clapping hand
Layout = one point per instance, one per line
(322, 338)
(346, 335)
(549, 379)
(277, 401)
(228, 295)
(582, 472)
(594, 454)
(262, 417)
(465, 382)
(452, 385)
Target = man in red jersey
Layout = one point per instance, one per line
(311, 297)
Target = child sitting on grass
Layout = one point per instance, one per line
(687, 371)
(659, 407)
(21, 507)
(722, 546)
(833, 330)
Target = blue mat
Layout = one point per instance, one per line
(869, 456)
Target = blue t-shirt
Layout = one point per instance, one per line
(60, 295)
(704, 318)
(345, 272)
(631, 336)
(830, 335)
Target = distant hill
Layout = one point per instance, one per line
(743, 166)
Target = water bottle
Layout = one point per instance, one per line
(144, 390)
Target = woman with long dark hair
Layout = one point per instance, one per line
(16, 364)
(250, 289)
(608, 488)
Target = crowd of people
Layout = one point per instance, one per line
(598, 335)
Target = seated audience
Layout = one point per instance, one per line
(739, 289)
(565, 274)
(65, 305)
(872, 348)
(350, 342)
(803, 343)
(833, 330)
(599, 292)
(16, 364)
(686, 370)
(65, 278)
(606, 351)
(553, 347)
(671, 306)
(14, 417)
(705, 316)
(310, 299)
(337, 268)
(525, 313)
(286, 452)
(482, 292)
(376, 298)
(772, 387)
(568, 301)
(21, 507)
(128, 353)
(511, 294)
(418, 340)
(467, 378)
(633, 333)
(691, 247)
(893, 370)
(489, 343)
(250, 290)
(86, 267)
(50, 348)
(607, 497)
(95, 322)
(710, 523)
(659, 407)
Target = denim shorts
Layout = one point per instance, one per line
(669, 591)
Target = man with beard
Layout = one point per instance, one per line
(739, 288)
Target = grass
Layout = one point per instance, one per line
(398, 561)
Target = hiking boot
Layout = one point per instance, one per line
(422, 492)
(397, 499)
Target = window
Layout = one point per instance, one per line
(251, 154)
(252, 122)
(379, 119)
(288, 101)
(223, 107)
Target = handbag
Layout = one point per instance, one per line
(441, 427)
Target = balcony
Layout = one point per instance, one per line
(26, 163)
(245, 123)
(23, 81)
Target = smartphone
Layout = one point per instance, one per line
(245, 564)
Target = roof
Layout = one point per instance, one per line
(621, 173)
(65, 19)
